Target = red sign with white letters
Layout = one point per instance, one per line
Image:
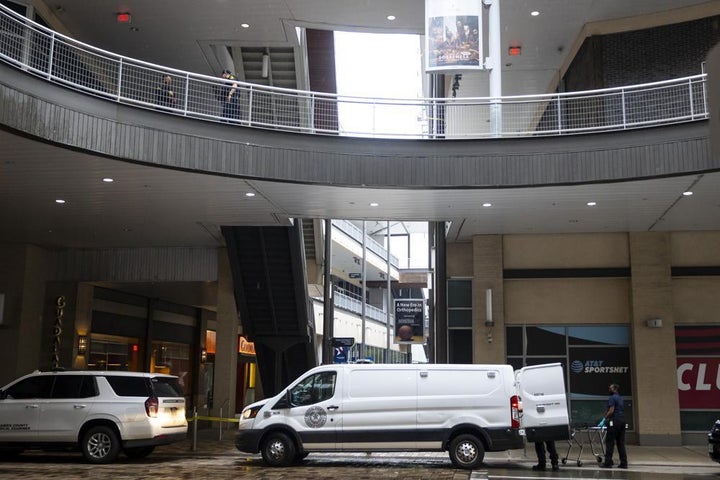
(699, 382)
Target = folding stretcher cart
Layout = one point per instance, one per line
(586, 435)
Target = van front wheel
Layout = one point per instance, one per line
(466, 451)
(278, 450)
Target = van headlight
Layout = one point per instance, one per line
(249, 413)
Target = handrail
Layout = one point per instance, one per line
(60, 59)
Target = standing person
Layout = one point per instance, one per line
(165, 95)
(615, 421)
(540, 451)
(230, 96)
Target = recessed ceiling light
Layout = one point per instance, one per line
(688, 193)
(391, 17)
(245, 25)
(487, 204)
(250, 194)
(534, 13)
(374, 204)
(108, 180)
(591, 204)
(59, 201)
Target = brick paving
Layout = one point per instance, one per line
(218, 459)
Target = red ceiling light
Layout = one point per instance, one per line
(515, 51)
(124, 17)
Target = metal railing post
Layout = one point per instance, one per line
(624, 107)
(51, 55)
(559, 115)
(692, 105)
(195, 429)
(187, 94)
(119, 85)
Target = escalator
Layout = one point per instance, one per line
(269, 281)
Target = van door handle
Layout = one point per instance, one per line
(540, 408)
(79, 406)
(332, 408)
(32, 405)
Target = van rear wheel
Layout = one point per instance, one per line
(278, 450)
(466, 451)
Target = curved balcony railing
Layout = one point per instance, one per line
(62, 60)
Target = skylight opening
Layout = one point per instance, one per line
(379, 66)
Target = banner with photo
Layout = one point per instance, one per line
(409, 320)
(453, 35)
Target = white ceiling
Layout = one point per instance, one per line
(148, 206)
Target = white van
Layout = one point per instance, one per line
(464, 409)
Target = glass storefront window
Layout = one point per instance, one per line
(173, 359)
(107, 352)
(545, 340)
(593, 357)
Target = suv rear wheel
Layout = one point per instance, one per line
(100, 444)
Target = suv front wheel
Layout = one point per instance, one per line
(100, 444)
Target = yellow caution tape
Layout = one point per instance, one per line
(214, 419)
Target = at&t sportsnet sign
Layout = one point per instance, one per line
(592, 369)
(596, 366)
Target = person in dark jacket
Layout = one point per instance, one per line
(230, 96)
(165, 95)
(615, 422)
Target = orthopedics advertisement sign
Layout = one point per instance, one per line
(453, 35)
(409, 316)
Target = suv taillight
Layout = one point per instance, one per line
(151, 407)
(515, 411)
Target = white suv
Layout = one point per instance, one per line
(99, 412)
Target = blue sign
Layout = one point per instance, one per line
(340, 355)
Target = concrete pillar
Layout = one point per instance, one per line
(227, 341)
(83, 321)
(656, 404)
(24, 273)
(488, 341)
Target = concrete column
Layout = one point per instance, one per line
(656, 403)
(83, 321)
(227, 341)
(488, 341)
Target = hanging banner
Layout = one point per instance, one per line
(453, 35)
(409, 315)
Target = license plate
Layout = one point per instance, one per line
(521, 432)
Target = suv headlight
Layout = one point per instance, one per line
(249, 413)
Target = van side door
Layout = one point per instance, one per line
(380, 408)
(314, 411)
(544, 403)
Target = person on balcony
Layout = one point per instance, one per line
(230, 96)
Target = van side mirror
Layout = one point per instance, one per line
(284, 401)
